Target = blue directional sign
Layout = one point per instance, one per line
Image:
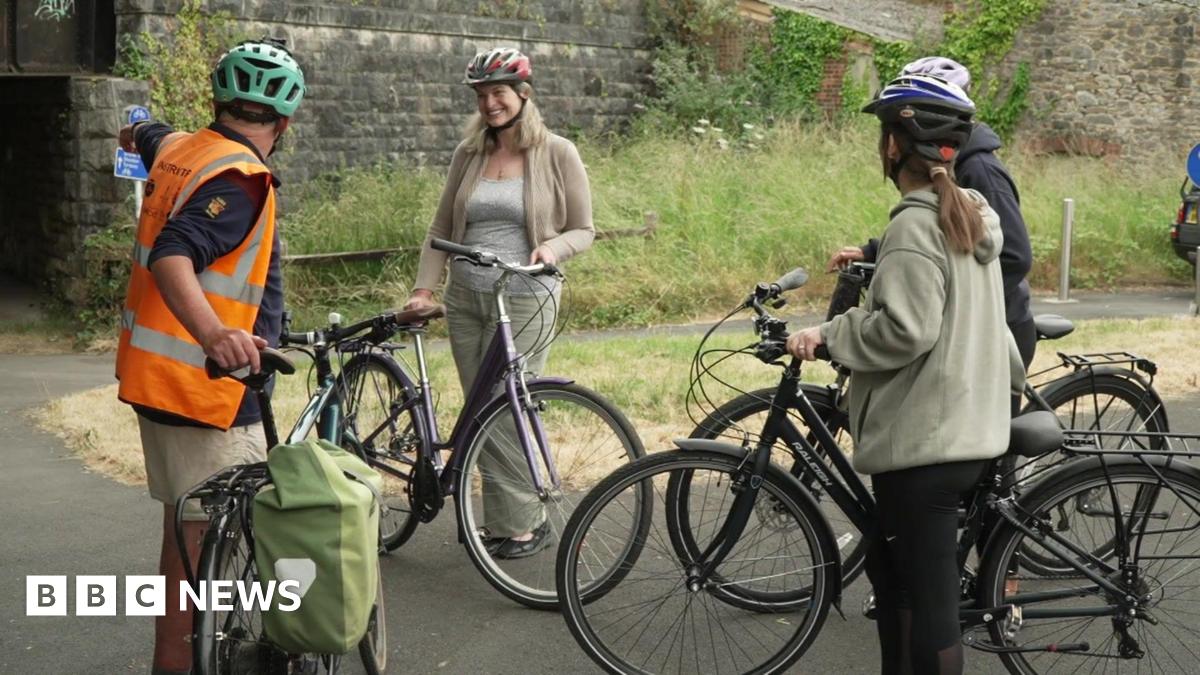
(1193, 165)
(137, 113)
(129, 165)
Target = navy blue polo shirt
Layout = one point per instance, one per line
(213, 222)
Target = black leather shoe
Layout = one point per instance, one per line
(510, 549)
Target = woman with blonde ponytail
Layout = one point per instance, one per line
(933, 364)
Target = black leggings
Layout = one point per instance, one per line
(912, 563)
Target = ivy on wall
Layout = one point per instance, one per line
(784, 76)
(178, 68)
(793, 67)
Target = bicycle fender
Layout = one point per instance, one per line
(1123, 373)
(534, 381)
(824, 529)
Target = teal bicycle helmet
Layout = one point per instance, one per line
(259, 71)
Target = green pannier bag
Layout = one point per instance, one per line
(318, 524)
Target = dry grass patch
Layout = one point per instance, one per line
(646, 377)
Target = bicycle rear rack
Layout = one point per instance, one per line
(1133, 361)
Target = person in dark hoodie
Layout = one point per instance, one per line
(978, 168)
(922, 431)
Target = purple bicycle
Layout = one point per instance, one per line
(524, 449)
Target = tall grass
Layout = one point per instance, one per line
(735, 213)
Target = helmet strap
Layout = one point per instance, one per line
(495, 131)
(898, 166)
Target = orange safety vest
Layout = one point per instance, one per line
(160, 365)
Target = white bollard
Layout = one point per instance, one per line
(1064, 263)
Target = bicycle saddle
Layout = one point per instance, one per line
(1052, 326)
(1034, 433)
(270, 361)
(420, 315)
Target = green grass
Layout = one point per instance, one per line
(732, 217)
(647, 377)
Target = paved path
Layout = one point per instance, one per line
(57, 518)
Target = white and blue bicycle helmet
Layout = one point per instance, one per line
(940, 66)
(934, 113)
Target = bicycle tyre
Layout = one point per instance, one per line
(590, 615)
(394, 451)
(568, 411)
(230, 641)
(1076, 403)
(731, 415)
(372, 648)
(1090, 477)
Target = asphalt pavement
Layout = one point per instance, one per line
(58, 518)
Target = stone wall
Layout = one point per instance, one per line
(385, 75)
(1113, 77)
(57, 139)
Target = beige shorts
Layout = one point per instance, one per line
(177, 458)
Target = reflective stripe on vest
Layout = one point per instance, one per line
(150, 340)
(190, 187)
(236, 287)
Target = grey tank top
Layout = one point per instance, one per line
(496, 224)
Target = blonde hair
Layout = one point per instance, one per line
(529, 131)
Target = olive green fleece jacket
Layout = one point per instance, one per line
(931, 355)
(558, 204)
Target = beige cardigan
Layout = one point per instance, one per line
(558, 204)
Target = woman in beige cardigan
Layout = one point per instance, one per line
(521, 192)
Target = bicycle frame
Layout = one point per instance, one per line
(502, 369)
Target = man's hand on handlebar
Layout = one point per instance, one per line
(233, 348)
(843, 257)
(803, 344)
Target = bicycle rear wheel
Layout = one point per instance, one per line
(373, 385)
(1161, 522)
(588, 438)
(748, 414)
(231, 642)
(1103, 402)
(655, 619)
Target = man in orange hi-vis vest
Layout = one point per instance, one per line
(205, 282)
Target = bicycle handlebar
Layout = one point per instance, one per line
(485, 259)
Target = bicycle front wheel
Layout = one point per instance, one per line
(496, 500)
(372, 386)
(748, 414)
(1094, 507)
(660, 617)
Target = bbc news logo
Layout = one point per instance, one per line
(96, 595)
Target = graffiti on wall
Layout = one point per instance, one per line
(54, 10)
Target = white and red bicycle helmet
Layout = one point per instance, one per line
(499, 64)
